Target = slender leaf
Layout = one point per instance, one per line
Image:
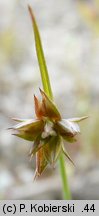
(41, 57)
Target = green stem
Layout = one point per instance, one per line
(47, 88)
(66, 189)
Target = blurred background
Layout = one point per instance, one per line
(70, 36)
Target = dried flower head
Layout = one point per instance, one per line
(47, 132)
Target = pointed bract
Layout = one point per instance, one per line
(78, 119)
(50, 109)
(25, 135)
(37, 145)
(67, 155)
(41, 162)
(20, 120)
(29, 129)
(53, 149)
(39, 109)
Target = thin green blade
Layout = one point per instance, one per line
(40, 56)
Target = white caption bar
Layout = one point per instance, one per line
(49, 207)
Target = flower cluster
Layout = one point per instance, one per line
(47, 132)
